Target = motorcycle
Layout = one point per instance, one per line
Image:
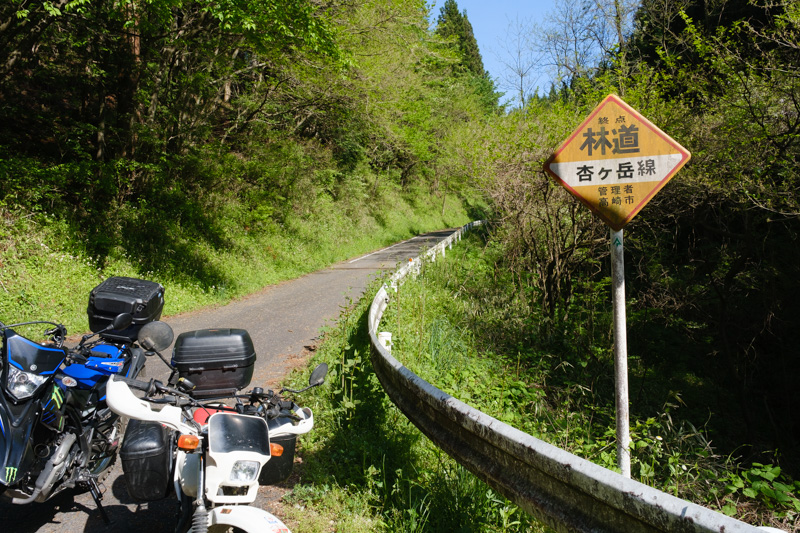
(214, 455)
(56, 430)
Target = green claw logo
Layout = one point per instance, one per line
(56, 397)
(11, 474)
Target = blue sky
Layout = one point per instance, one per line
(490, 20)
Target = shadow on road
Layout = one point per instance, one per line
(57, 515)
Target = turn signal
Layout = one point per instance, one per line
(276, 450)
(188, 442)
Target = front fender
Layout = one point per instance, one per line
(249, 519)
(16, 451)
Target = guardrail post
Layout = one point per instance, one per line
(385, 338)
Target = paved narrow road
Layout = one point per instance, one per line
(284, 321)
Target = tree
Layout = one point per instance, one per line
(520, 59)
(145, 81)
(455, 25)
(581, 35)
(455, 28)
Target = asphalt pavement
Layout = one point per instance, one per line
(285, 322)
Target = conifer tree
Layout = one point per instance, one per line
(454, 24)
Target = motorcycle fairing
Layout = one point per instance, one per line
(234, 439)
(29, 356)
(92, 376)
(19, 418)
(94, 370)
(110, 359)
(53, 411)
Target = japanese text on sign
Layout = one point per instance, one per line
(616, 161)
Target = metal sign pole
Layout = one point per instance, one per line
(620, 352)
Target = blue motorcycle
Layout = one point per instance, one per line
(56, 430)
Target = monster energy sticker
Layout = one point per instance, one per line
(57, 397)
(11, 474)
(53, 417)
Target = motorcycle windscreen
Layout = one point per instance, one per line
(238, 433)
(29, 356)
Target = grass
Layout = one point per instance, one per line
(366, 468)
(461, 321)
(48, 266)
(353, 479)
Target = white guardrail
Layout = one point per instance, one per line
(564, 491)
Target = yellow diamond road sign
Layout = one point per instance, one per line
(616, 161)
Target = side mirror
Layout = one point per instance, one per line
(156, 336)
(317, 378)
(121, 321)
(318, 375)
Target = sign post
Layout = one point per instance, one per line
(614, 163)
(620, 352)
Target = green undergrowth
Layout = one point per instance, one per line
(463, 327)
(49, 265)
(366, 468)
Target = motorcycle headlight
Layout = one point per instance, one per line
(22, 384)
(244, 471)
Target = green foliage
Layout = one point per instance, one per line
(366, 468)
(216, 248)
(767, 485)
(131, 95)
(179, 138)
(710, 262)
(456, 29)
(458, 323)
(217, 147)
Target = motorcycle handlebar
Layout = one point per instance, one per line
(172, 396)
(148, 387)
(280, 407)
(75, 357)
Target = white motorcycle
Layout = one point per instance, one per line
(213, 454)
